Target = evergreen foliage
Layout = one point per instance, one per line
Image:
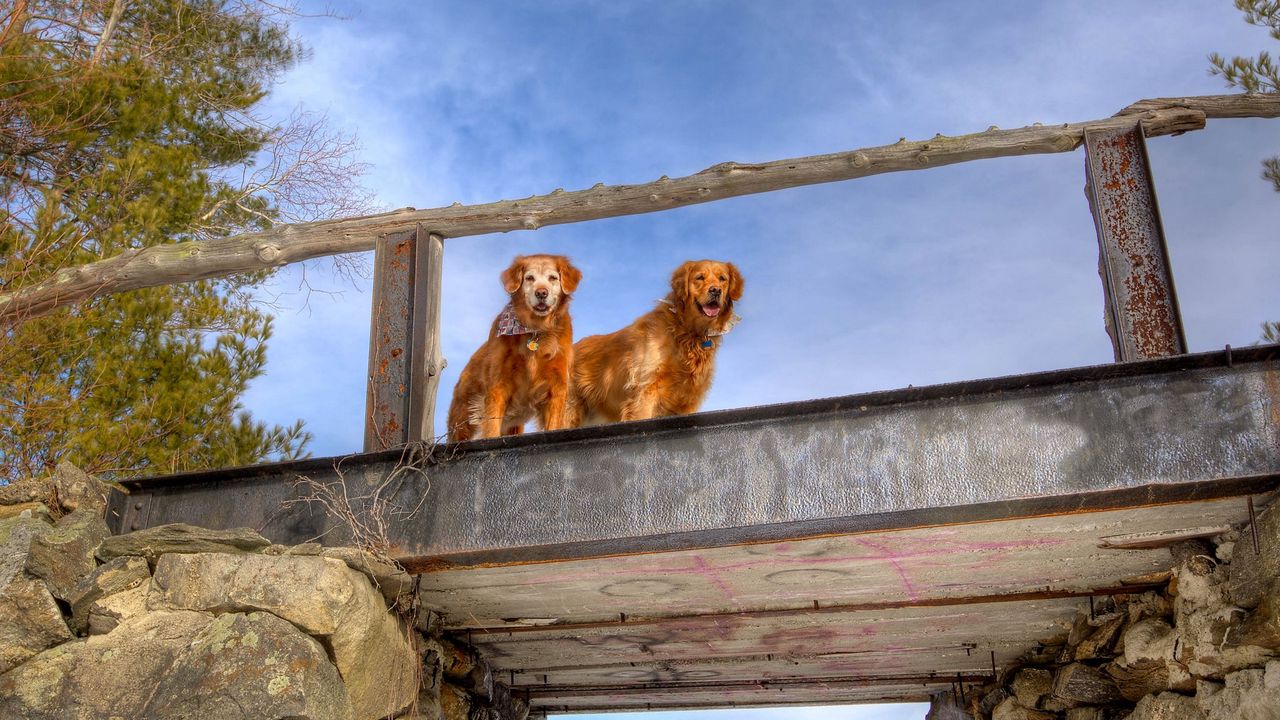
(1255, 75)
(124, 125)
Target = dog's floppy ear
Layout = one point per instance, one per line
(570, 276)
(735, 282)
(680, 280)
(511, 277)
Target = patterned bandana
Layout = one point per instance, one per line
(508, 324)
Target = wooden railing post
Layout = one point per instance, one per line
(427, 360)
(404, 340)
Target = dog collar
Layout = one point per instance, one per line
(734, 319)
(509, 324)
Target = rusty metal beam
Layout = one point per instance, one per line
(1141, 305)
(404, 340)
(1117, 435)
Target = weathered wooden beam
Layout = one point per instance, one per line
(189, 261)
(427, 360)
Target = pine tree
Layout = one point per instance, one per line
(123, 125)
(1255, 75)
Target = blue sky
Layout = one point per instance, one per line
(961, 272)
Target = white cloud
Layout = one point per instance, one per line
(973, 270)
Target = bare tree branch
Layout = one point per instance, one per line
(104, 40)
(188, 261)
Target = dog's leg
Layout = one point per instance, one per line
(574, 412)
(495, 409)
(553, 415)
(640, 406)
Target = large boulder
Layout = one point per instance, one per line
(30, 620)
(1206, 618)
(1252, 694)
(1166, 706)
(181, 665)
(390, 579)
(120, 575)
(68, 489)
(320, 595)
(63, 556)
(1252, 573)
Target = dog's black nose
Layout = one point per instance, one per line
(714, 292)
(540, 294)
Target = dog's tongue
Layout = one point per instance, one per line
(711, 310)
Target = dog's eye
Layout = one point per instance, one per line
(553, 277)
(699, 276)
(529, 278)
(723, 278)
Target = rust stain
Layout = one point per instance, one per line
(1271, 378)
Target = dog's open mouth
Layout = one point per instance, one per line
(542, 308)
(711, 308)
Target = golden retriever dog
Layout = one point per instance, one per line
(522, 370)
(662, 363)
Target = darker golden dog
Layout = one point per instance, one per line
(662, 363)
(522, 371)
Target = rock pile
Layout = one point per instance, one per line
(181, 622)
(1206, 648)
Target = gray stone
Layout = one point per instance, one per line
(1146, 665)
(151, 543)
(106, 613)
(1080, 684)
(63, 556)
(1262, 626)
(1148, 639)
(1101, 641)
(1207, 621)
(1166, 706)
(77, 490)
(118, 575)
(1253, 573)
(322, 596)
(390, 579)
(181, 665)
(1011, 709)
(30, 621)
(30, 509)
(26, 492)
(455, 703)
(1086, 713)
(16, 534)
(68, 489)
(1252, 694)
(1031, 684)
(251, 666)
(993, 699)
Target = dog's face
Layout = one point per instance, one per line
(541, 282)
(710, 287)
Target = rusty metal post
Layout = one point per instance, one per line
(404, 340)
(1141, 305)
